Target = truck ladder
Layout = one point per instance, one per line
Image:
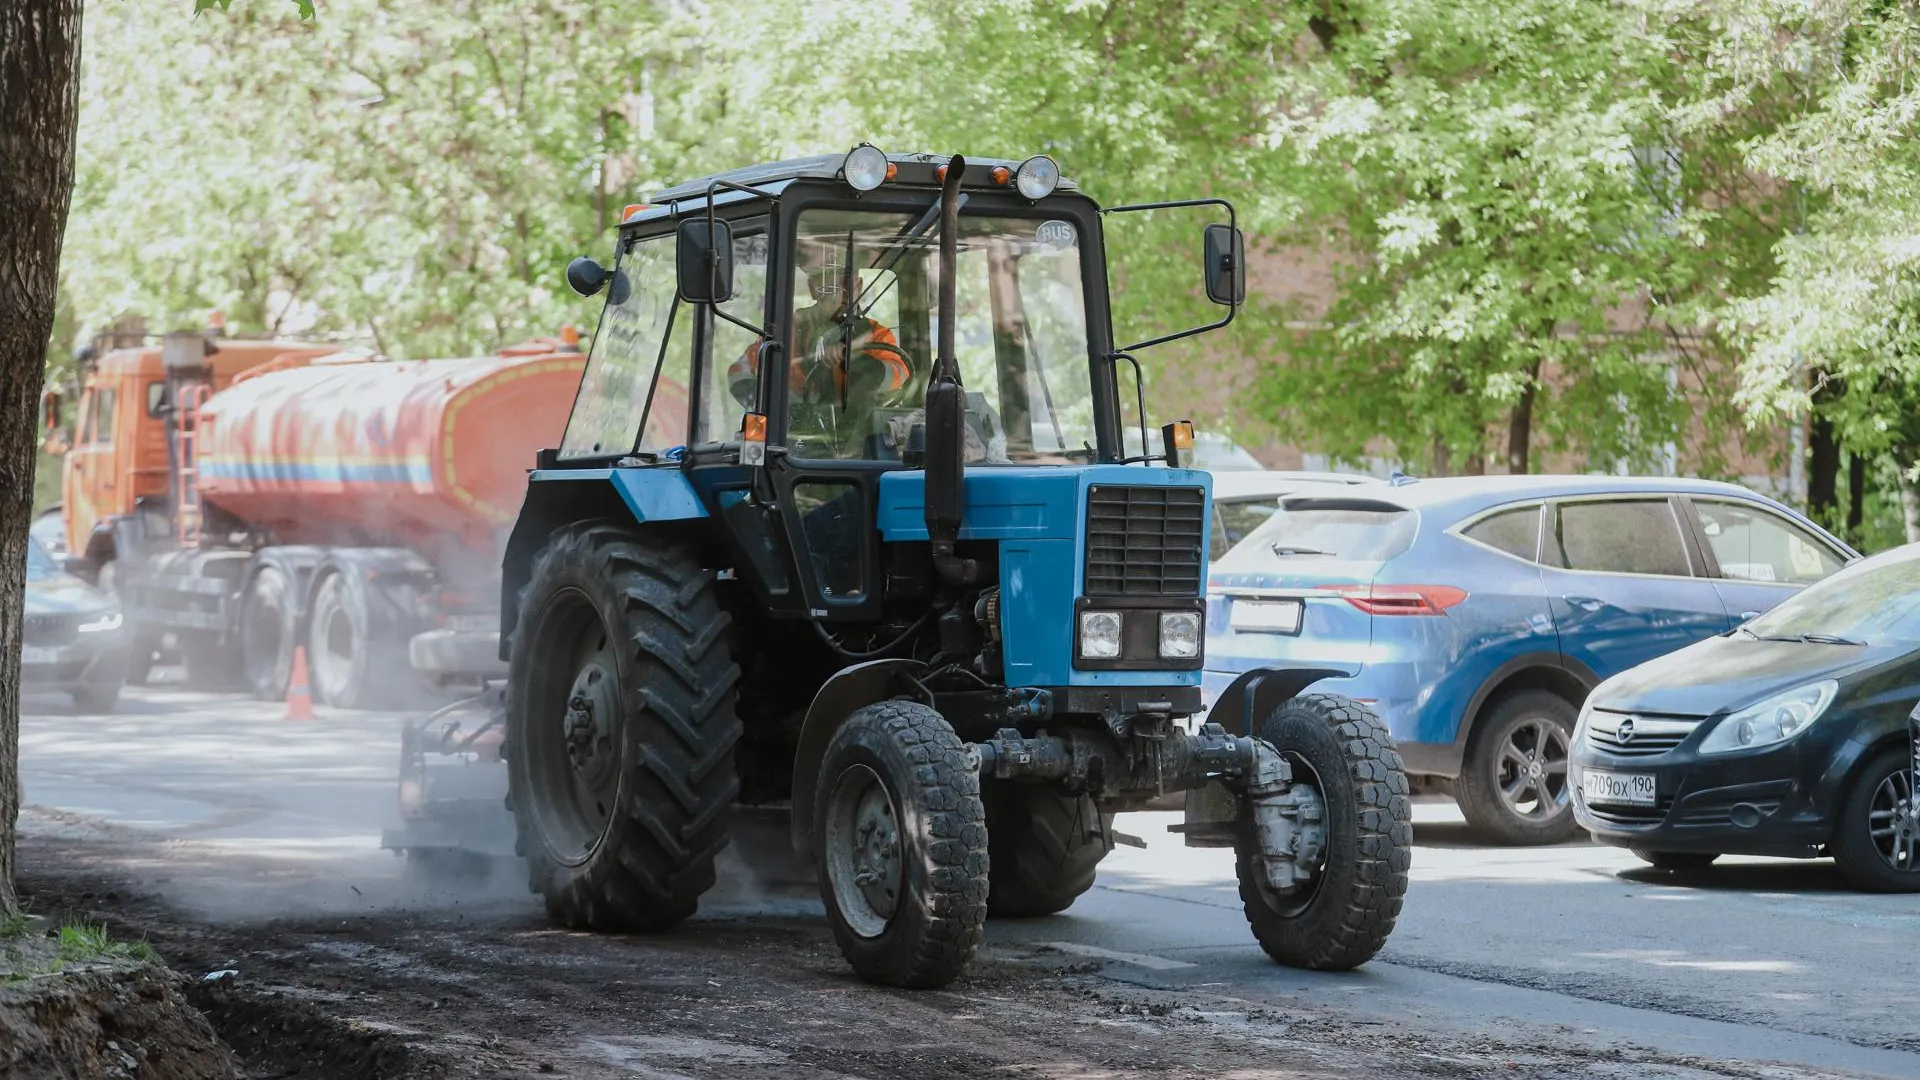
(186, 492)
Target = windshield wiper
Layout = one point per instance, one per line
(1289, 549)
(1808, 639)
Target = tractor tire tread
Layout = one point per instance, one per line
(681, 784)
(1046, 848)
(946, 791)
(1357, 925)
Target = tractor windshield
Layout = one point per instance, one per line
(863, 324)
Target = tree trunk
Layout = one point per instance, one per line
(1520, 427)
(1823, 472)
(39, 97)
(1856, 498)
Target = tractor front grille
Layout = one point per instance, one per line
(1145, 541)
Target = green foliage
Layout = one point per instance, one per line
(305, 6)
(1594, 217)
(81, 942)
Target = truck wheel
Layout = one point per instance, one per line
(620, 730)
(350, 667)
(1514, 787)
(1876, 842)
(267, 632)
(900, 839)
(1046, 846)
(1341, 916)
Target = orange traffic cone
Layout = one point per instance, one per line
(299, 698)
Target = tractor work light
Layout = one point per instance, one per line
(1037, 177)
(1179, 635)
(866, 167)
(1100, 635)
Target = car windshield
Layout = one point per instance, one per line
(1875, 601)
(40, 565)
(863, 327)
(1306, 528)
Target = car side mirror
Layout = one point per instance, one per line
(1223, 251)
(586, 276)
(704, 251)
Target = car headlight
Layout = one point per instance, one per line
(109, 621)
(1179, 635)
(1100, 635)
(1774, 720)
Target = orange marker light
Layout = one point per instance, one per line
(892, 170)
(628, 211)
(753, 427)
(570, 336)
(1001, 174)
(940, 174)
(1183, 434)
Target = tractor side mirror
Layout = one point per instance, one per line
(585, 276)
(705, 256)
(1224, 251)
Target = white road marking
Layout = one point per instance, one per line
(1151, 963)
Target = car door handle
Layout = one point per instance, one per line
(1746, 615)
(1585, 603)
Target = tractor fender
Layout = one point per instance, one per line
(557, 498)
(849, 689)
(1256, 693)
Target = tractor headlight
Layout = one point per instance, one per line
(1037, 177)
(110, 621)
(866, 167)
(1179, 635)
(1100, 635)
(1774, 720)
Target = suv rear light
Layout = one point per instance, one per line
(1400, 599)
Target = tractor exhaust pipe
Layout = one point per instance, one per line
(946, 405)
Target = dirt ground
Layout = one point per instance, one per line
(472, 991)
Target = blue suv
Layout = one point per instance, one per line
(1475, 613)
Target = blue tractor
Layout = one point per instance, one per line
(844, 520)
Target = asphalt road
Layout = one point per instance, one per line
(1763, 961)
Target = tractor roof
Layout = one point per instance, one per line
(818, 167)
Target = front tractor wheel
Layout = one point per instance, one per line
(620, 730)
(1349, 832)
(900, 839)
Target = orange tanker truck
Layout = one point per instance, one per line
(246, 497)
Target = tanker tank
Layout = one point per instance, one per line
(347, 450)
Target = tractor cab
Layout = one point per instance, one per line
(844, 522)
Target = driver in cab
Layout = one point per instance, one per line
(844, 365)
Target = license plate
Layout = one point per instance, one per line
(1266, 616)
(39, 654)
(1633, 789)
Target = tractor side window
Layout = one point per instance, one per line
(156, 398)
(641, 365)
(833, 516)
(732, 389)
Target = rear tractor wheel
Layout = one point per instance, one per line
(1046, 847)
(900, 838)
(620, 730)
(1331, 902)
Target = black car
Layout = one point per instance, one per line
(1787, 736)
(73, 640)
